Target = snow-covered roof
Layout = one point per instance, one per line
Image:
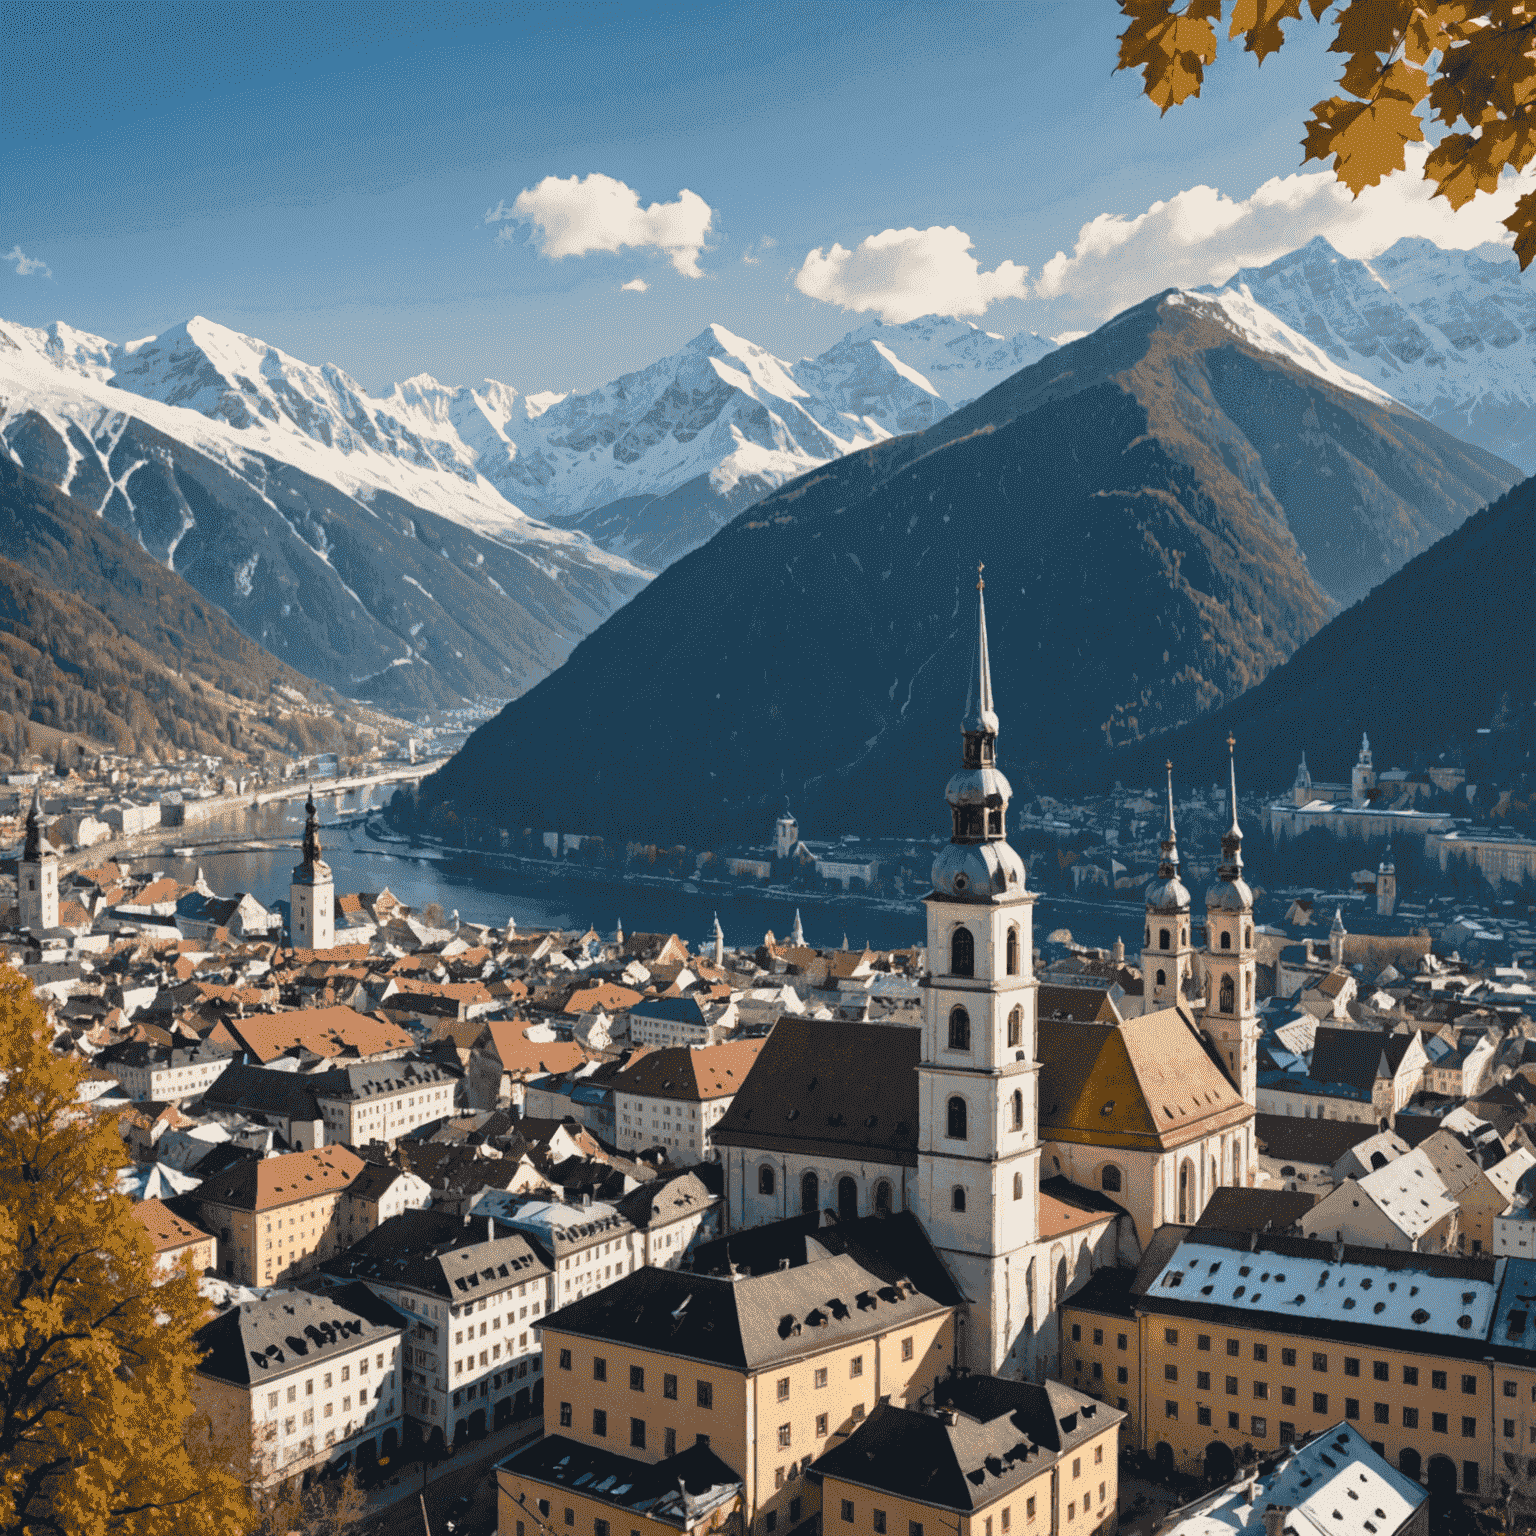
(1411, 1193)
(1388, 1294)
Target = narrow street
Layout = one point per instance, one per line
(397, 1505)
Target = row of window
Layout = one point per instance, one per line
(1381, 1414)
(962, 952)
(704, 1391)
(960, 1028)
(1380, 1369)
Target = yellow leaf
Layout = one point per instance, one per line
(1371, 26)
(1522, 224)
(1366, 139)
(1258, 23)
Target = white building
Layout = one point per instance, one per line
(312, 892)
(590, 1245)
(166, 1074)
(675, 1097)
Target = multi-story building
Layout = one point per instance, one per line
(670, 1217)
(766, 1371)
(1222, 1340)
(378, 1193)
(986, 1455)
(474, 1304)
(305, 1380)
(664, 1021)
(175, 1238)
(164, 1074)
(278, 1217)
(673, 1098)
(589, 1245)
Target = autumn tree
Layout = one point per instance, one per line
(1468, 65)
(97, 1428)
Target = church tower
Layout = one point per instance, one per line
(1386, 886)
(1231, 1013)
(312, 892)
(1301, 790)
(1363, 776)
(1336, 936)
(978, 1150)
(37, 875)
(1167, 956)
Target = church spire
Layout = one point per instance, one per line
(1169, 868)
(1232, 839)
(311, 830)
(978, 795)
(33, 851)
(980, 718)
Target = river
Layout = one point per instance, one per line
(479, 894)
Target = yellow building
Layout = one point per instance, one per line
(765, 1371)
(1222, 1340)
(175, 1238)
(278, 1217)
(989, 1458)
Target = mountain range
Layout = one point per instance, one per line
(1167, 508)
(1451, 334)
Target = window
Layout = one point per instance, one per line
(1379, 1371)
(1231, 1386)
(1170, 1409)
(878, 1516)
(637, 1433)
(1016, 1026)
(1012, 948)
(1287, 1433)
(1122, 1376)
(820, 1377)
(1382, 1413)
(1509, 1429)
(1203, 1416)
(565, 1415)
(637, 1378)
(570, 1517)
(783, 1389)
(1162, 938)
(1202, 1341)
(1261, 1389)
(599, 1421)
(1122, 1341)
(1509, 1389)
(706, 1394)
(810, 1194)
(765, 1181)
(1202, 1381)
(1029, 1507)
(1234, 1347)
(1109, 1179)
(847, 1510)
(856, 1366)
(1410, 1418)
(1410, 1375)
(1351, 1407)
(669, 1386)
(599, 1528)
(1226, 941)
(962, 954)
(821, 1426)
(1437, 1380)
(1170, 1336)
(1440, 1423)
(957, 1198)
(1468, 1427)
(914, 1528)
(1319, 1402)
(1227, 992)
(956, 1119)
(1469, 1385)
(1351, 1366)
(1170, 1373)
(599, 1368)
(1287, 1357)
(1016, 1111)
(1288, 1397)
(783, 1434)
(1260, 1427)
(959, 1029)
(1261, 1353)
(669, 1442)
(1319, 1362)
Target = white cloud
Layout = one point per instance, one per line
(634, 285)
(904, 273)
(1201, 236)
(579, 214)
(754, 257)
(26, 265)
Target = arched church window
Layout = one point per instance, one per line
(1226, 941)
(957, 1198)
(1248, 937)
(962, 953)
(1162, 978)
(765, 1181)
(1109, 1179)
(1017, 1110)
(810, 1194)
(883, 1198)
(1226, 994)
(956, 1119)
(1248, 989)
(1013, 951)
(1016, 1026)
(847, 1198)
(1018, 1186)
(1148, 939)
(959, 1030)
(1162, 938)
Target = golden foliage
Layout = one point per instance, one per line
(1472, 61)
(97, 1428)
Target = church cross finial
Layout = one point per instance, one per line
(1169, 766)
(981, 565)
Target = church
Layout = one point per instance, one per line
(1032, 1154)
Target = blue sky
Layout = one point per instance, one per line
(320, 176)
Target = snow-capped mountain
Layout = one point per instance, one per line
(352, 555)
(1452, 334)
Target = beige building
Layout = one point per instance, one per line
(303, 1380)
(674, 1098)
(766, 1372)
(277, 1218)
(1404, 1206)
(986, 1455)
(175, 1238)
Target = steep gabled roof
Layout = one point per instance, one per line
(678, 1072)
(262, 1184)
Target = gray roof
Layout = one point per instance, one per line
(378, 1079)
(662, 1201)
(291, 1331)
(745, 1322)
(439, 1255)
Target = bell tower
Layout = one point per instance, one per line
(978, 1148)
(1231, 1013)
(37, 875)
(1363, 775)
(312, 891)
(1167, 956)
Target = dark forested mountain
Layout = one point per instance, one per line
(99, 640)
(1167, 508)
(1422, 663)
